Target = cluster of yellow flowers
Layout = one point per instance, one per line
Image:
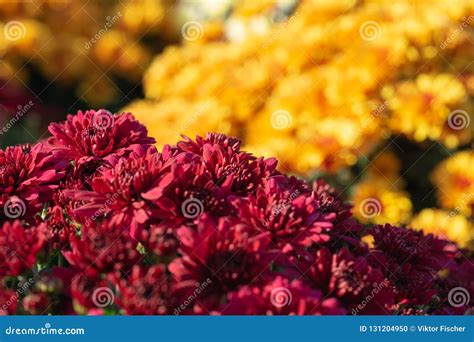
(82, 44)
(325, 87)
(381, 197)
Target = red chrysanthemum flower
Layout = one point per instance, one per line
(146, 291)
(130, 190)
(160, 240)
(196, 147)
(90, 294)
(19, 247)
(280, 297)
(221, 156)
(28, 177)
(192, 192)
(361, 288)
(36, 303)
(456, 287)
(58, 228)
(8, 301)
(102, 248)
(228, 253)
(98, 135)
(410, 260)
(292, 218)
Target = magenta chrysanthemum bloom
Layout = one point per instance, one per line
(131, 190)
(196, 147)
(281, 297)
(102, 248)
(28, 177)
(192, 192)
(146, 291)
(361, 288)
(88, 295)
(160, 240)
(456, 276)
(8, 301)
(291, 217)
(19, 247)
(58, 228)
(93, 135)
(226, 254)
(410, 260)
(222, 158)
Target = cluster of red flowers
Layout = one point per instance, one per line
(95, 220)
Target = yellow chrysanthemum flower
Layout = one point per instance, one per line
(446, 224)
(454, 180)
(422, 108)
(376, 202)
